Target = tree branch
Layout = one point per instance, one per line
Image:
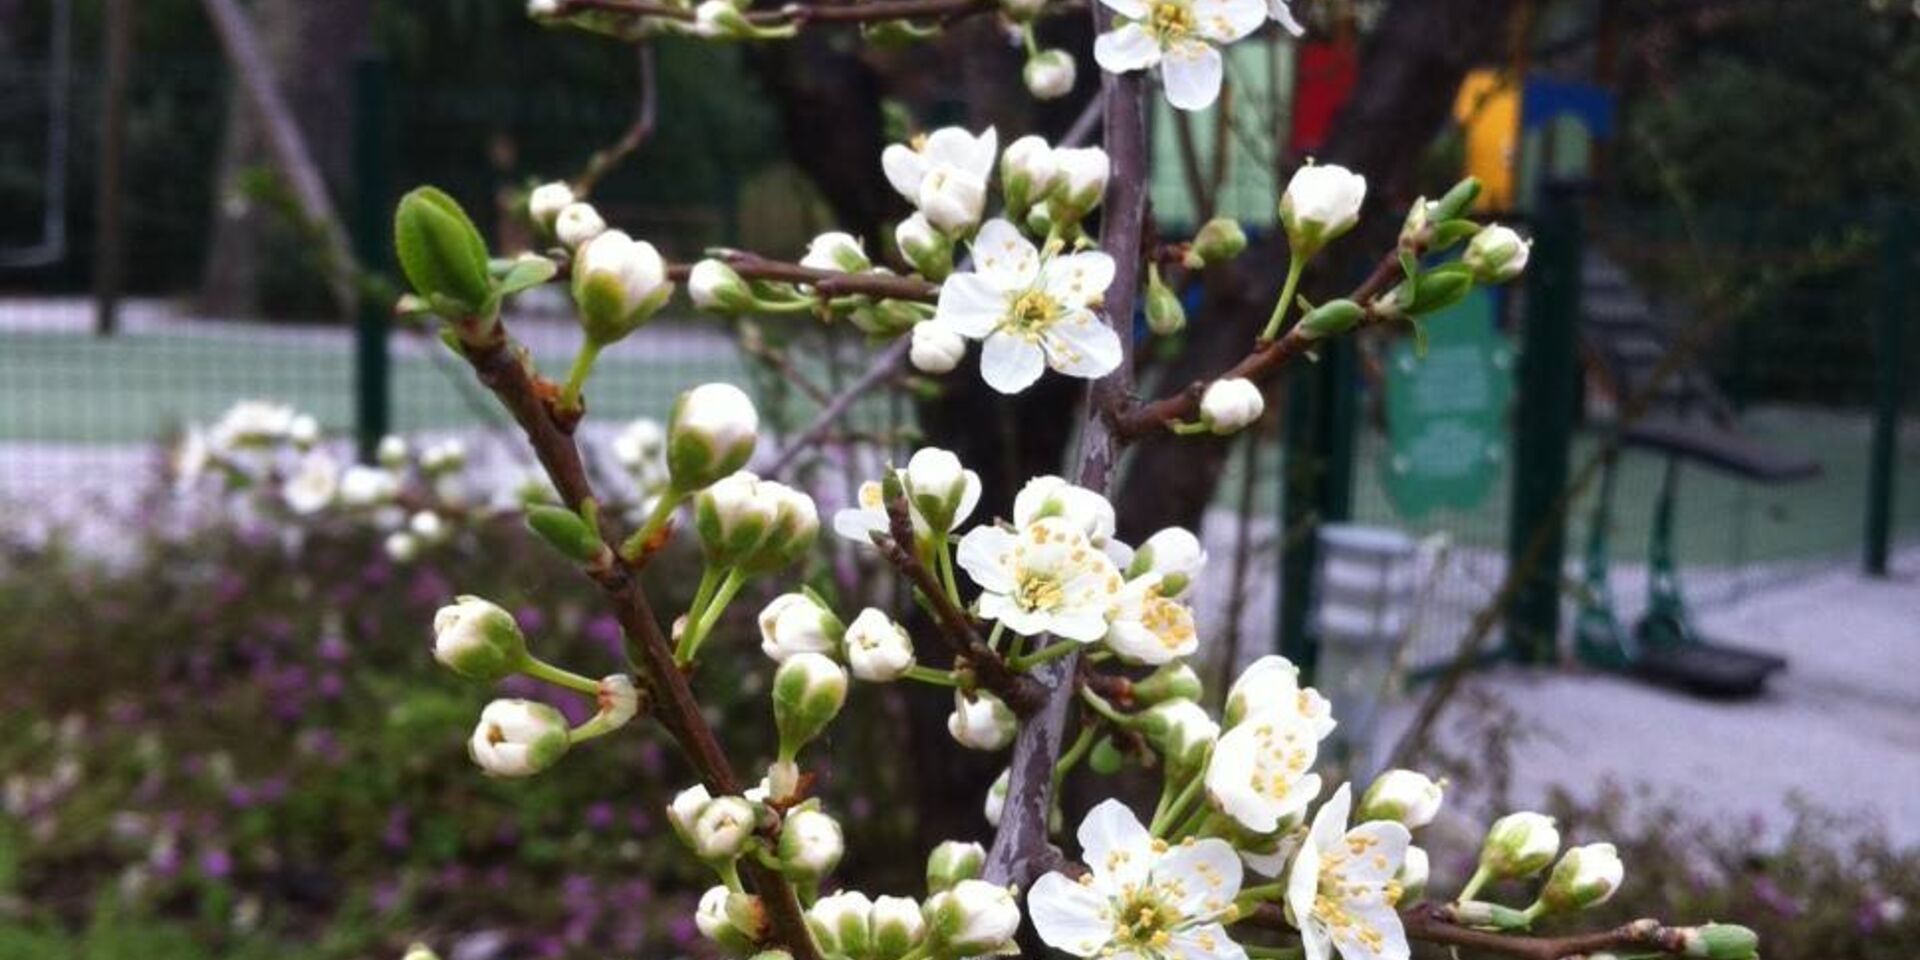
(527, 397)
(827, 283)
(1436, 923)
(800, 13)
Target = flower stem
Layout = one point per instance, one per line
(1054, 651)
(938, 678)
(577, 376)
(1174, 812)
(1100, 706)
(1081, 746)
(945, 562)
(1252, 896)
(541, 670)
(663, 509)
(1294, 266)
(698, 628)
(1481, 876)
(1257, 952)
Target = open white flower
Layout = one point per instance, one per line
(1258, 774)
(1045, 579)
(1341, 893)
(1150, 627)
(1272, 684)
(1179, 37)
(1142, 898)
(1031, 311)
(938, 475)
(944, 175)
(313, 484)
(1087, 511)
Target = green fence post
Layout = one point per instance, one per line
(1316, 486)
(373, 388)
(1896, 258)
(1546, 394)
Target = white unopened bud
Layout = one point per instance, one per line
(975, 917)
(1231, 405)
(878, 649)
(981, 721)
(1049, 74)
(953, 861)
(996, 803)
(936, 348)
(797, 623)
(619, 283)
(1028, 172)
(1321, 203)
(392, 452)
(1083, 181)
(836, 251)
(542, 9)
(402, 547)
(1175, 555)
(364, 486)
(518, 738)
(952, 199)
(1519, 845)
(618, 699)
(717, 287)
(478, 640)
(1412, 878)
(723, 828)
(447, 455)
(929, 250)
(896, 926)
(808, 691)
(1406, 797)
(791, 533)
(842, 922)
(685, 810)
(545, 203)
(811, 845)
(1586, 876)
(1496, 254)
(420, 951)
(734, 518)
(941, 489)
(578, 223)
(1182, 732)
(711, 434)
(716, 923)
(428, 526)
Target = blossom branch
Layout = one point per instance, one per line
(826, 283)
(799, 13)
(1438, 923)
(1020, 692)
(530, 399)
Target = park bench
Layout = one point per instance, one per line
(1624, 339)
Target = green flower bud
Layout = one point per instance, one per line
(942, 490)
(952, 862)
(1586, 876)
(791, 532)
(1723, 941)
(974, 917)
(1519, 845)
(1028, 174)
(836, 251)
(886, 318)
(710, 434)
(563, 530)
(929, 250)
(1173, 681)
(1106, 758)
(1496, 254)
(842, 923)
(716, 287)
(1182, 732)
(1403, 796)
(619, 283)
(1219, 240)
(478, 640)
(808, 692)
(1165, 315)
(441, 251)
(1330, 319)
(1458, 200)
(1434, 290)
(1412, 878)
(734, 518)
(518, 738)
(811, 845)
(897, 927)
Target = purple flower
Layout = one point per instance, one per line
(600, 816)
(216, 863)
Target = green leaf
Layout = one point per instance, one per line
(526, 273)
(1451, 232)
(564, 531)
(1106, 758)
(440, 250)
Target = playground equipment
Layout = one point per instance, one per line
(1692, 421)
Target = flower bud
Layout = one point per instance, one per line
(722, 829)
(836, 251)
(717, 287)
(618, 700)
(685, 809)
(721, 20)
(1403, 796)
(1175, 555)
(619, 283)
(1436, 289)
(545, 203)
(734, 518)
(391, 452)
(1330, 319)
(1519, 845)
(1231, 405)
(1586, 876)
(1722, 941)
(996, 803)
(791, 532)
(578, 223)
(808, 692)
(1219, 240)
(1083, 181)
(444, 457)
(975, 917)
(1412, 878)
(953, 861)
(936, 348)
(952, 200)
(565, 532)
(811, 845)
(1457, 200)
(886, 319)
(842, 922)
(1028, 173)
(878, 649)
(896, 926)
(1182, 732)
(712, 918)
(1166, 316)
(981, 721)
(420, 951)
(478, 640)
(797, 623)
(1049, 74)
(1496, 254)
(927, 249)
(518, 738)
(1173, 681)
(1321, 203)
(941, 489)
(711, 434)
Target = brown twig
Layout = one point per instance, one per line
(636, 133)
(801, 13)
(1436, 923)
(1020, 692)
(529, 399)
(826, 283)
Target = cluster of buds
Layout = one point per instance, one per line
(1052, 189)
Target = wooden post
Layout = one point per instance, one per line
(110, 240)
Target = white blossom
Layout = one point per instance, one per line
(1180, 37)
(517, 738)
(1322, 202)
(1049, 74)
(547, 200)
(1047, 578)
(1142, 897)
(1271, 684)
(578, 223)
(1341, 892)
(313, 484)
(836, 251)
(1175, 555)
(251, 423)
(878, 649)
(1282, 13)
(944, 175)
(1149, 627)
(364, 486)
(1087, 511)
(1258, 775)
(796, 623)
(945, 493)
(981, 721)
(1030, 310)
(936, 348)
(1230, 405)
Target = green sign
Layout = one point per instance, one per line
(1446, 412)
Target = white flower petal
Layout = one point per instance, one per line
(1129, 47)
(1224, 21)
(1191, 74)
(1379, 846)
(1208, 941)
(1373, 932)
(971, 305)
(985, 553)
(1200, 878)
(1079, 345)
(1070, 916)
(1004, 257)
(1282, 12)
(1131, 9)
(1080, 279)
(1011, 364)
(1115, 846)
(904, 167)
